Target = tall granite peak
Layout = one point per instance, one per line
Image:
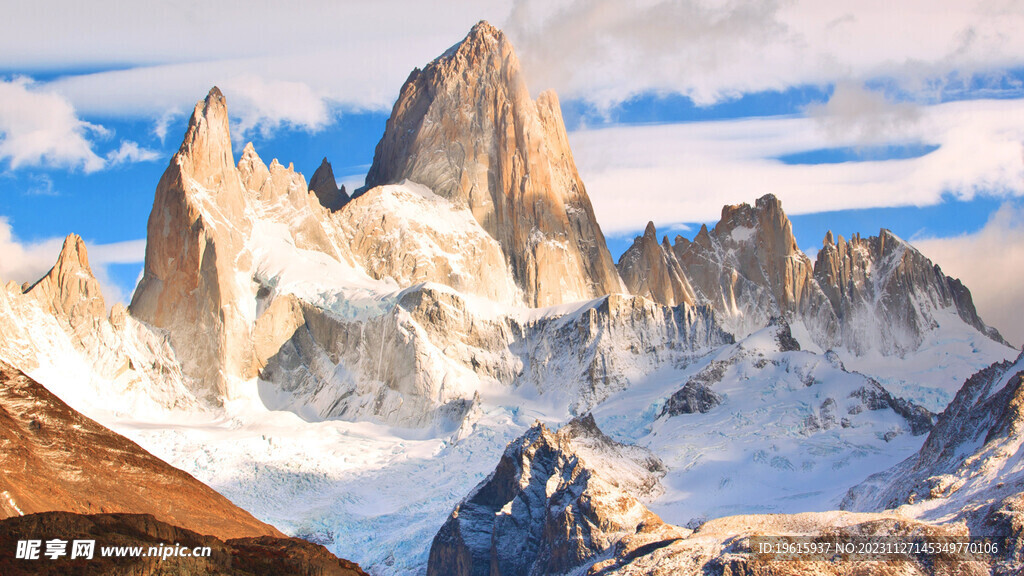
(196, 238)
(69, 290)
(326, 188)
(206, 146)
(466, 127)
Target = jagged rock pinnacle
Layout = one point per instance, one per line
(323, 184)
(196, 237)
(69, 290)
(466, 127)
(651, 270)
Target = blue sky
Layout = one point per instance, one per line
(857, 115)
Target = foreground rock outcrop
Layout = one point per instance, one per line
(264, 555)
(53, 458)
(555, 502)
(570, 502)
(466, 127)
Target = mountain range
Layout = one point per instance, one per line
(446, 372)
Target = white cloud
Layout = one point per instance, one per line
(25, 261)
(40, 128)
(318, 54)
(130, 151)
(266, 106)
(687, 172)
(102, 255)
(164, 121)
(29, 261)
(127, 252)
(299, 66)
(601, 51)
(988, 263)
(865, 116)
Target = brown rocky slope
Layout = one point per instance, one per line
(54, 458)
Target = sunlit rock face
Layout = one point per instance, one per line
(466, 127)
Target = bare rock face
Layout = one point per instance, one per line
(466, 127)
(883, 281)
(209, 225)
(875, 294)
(69, 290)
(195, 247)
(651, 270)
(323, 184)
(61, 321)
(56, 459)
(555, 502)
(750, 269)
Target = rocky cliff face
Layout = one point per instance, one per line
(206, 236)
(651, 270)
(195, 249)
(875, 294)
(975, 440)
(749, 268)
(56, 459)
(60, 325)
(555, 502)
(422, 362)
(466, 127)
(69, 291)
(882, 281)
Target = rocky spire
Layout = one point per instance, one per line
(196, 239)
(750, 269)
(882, 280)
(69, 290)
(466, 127)
(651, 270)
(326, 188)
